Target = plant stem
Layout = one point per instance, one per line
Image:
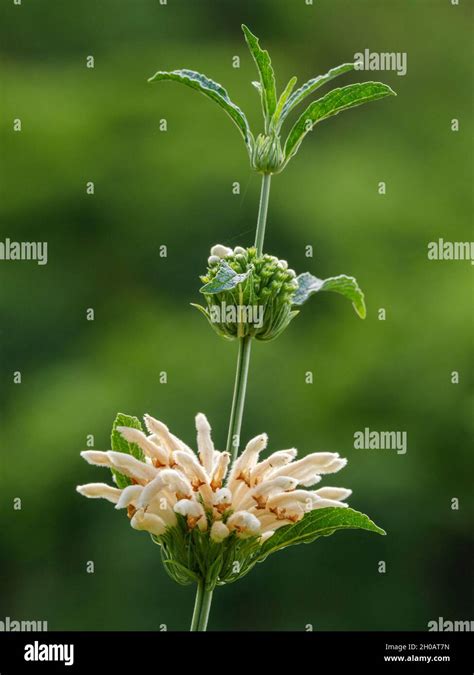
(262, 212)
(238, 399)
(202, 605)
(197, 607)
(243, 360)
(205, 609)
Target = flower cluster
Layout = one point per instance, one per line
(248, 294)
(250, 498)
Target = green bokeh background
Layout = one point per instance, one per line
(154, 188)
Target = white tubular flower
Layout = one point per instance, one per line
(159, 456)
(191, 468)
(174, 486)
(100, 491)
(220, 251)
(247, 461)
(276, 460)
(176, 482)
(220, 469)
(193, 512)
(130, 495)
(148, 522)
(222, 496)
(204, 443)
(259, 495)
(285, 499)
(132, 467)
(150, 491)
(164, 436)
(161, 506)
(245, 523)
(219, 531)
(96, 457)
(337, 494)
(308, 470)
(189, 507)
(325, 503)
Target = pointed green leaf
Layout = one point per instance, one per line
(331, 104)
(225, 280)
(215, 327)
(282, 101)
(212, 90)
(347, 286)
(119, 444)
(267, 76)
(311, 85)
(317, 523)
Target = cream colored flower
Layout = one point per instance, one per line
(254, 498)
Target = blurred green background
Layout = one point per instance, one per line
(174, 188)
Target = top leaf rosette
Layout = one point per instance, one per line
(267, 153)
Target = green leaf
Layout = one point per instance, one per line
(310, 86)
(179, 573)
(317, 523)
(347, 286)
(331, 104)
(119, 444)
(212, 90)
(267, 76)
(282, 101)
(225, 280)
(215, 327)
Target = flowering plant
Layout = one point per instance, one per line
(216, 514)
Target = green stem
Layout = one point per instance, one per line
(202, 605)
(197, 607)
(243, 360)
(238, 399)
(262, 212)
(205, 609)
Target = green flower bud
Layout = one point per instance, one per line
(268, 156)
(257, 303)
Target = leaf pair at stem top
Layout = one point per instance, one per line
(266, 151)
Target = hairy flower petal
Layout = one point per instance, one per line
(244, 523)
(309, 468)
(132, 467)
(129, 494)
(247, 460)
(333, 493)
(149, 522)
(100, 491)
(204, 442)
(150, 448)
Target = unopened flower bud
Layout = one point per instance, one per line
(221, 251)
(268, 156)
(219, 531)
